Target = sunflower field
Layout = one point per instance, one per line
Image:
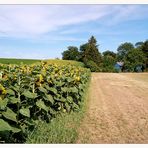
(37, 92)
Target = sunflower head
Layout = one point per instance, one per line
(2, 90)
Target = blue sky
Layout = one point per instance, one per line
(45, 31)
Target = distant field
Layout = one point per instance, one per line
(31, 61)
(18, 61)
(65, 62)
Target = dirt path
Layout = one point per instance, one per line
(118, 109)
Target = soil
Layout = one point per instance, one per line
(117, 109)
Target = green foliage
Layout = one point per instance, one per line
(9, 114)
(90, 52)
(131, 56)
(4, 126)
(65, 62)
(139, 44)
(123, 49)
(144, 48)
(18, 61)
(38, 92)
(134, 57)
(108, 61)
(25, 112)
(62, 129)
(126, 53)
(92, 66)
(109, 53)
(71, 54)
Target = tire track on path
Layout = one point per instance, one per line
(117, 110)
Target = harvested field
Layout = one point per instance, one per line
(117, 109)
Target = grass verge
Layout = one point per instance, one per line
(63, 129)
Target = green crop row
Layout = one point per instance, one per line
(18, 61)
(32, 93)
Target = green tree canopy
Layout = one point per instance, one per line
(108, 61)
(109, 53)
(144, 47)
(71, 54)
(123, 50)
(133, 58)
(138, 44)
(90, 51)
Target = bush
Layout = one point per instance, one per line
(109, 69)
(92, 66)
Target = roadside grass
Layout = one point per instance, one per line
(62, 129)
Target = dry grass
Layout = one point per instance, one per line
(118, 109)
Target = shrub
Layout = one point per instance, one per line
(92, 66)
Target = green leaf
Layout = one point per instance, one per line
(75, 90)
(81, 93)
(14, 100)
(3, 103)
(10, 92)
(4, 126)
(29, 122)
(42, 89)
(49, 98)
(47, 87)
(9, 114)
(67, 107)
(25, 112)
(60, 99)
(64, 89)
(15, 130)
(69, 99)
(42, 105)
(75, 106)
(53, 112)
(15, 88)
(29, 94)
(23, 128)
(69, 79)
(52, 89)
(81, 86)
(60, 84)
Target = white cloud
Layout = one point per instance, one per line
(124, 13)
(36, 21)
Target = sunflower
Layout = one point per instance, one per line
(2, 90)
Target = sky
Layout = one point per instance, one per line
(45, 31)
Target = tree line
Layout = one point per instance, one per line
(88, 53)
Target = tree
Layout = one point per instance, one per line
(145, 51)
(71, 54)
(133, 58)
(90, 52)
(108, 61)
(139, 44)
(144, 47)
(109, 53)
(123, 50)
